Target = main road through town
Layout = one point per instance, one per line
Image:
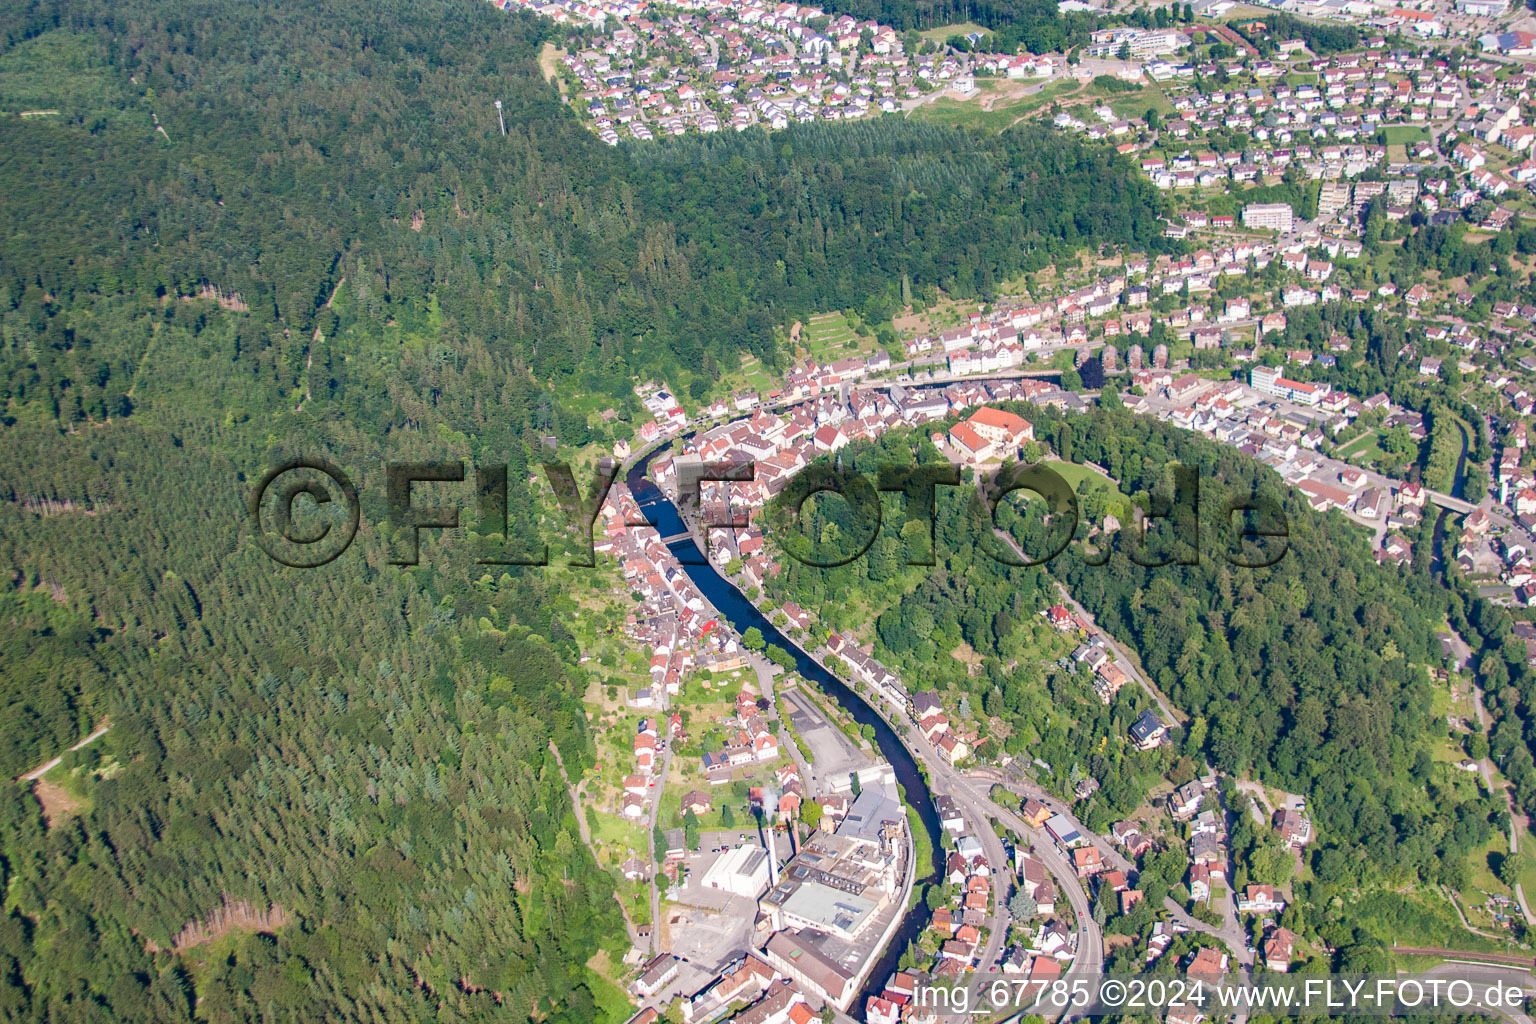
(904, 748)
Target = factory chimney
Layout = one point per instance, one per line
(773, 860)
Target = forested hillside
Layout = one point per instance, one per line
(1310, 675)
(236, 232)
(225, 159)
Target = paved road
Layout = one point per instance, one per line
(1123, 659)
(1258, 800)
(656, 875)
(1089, 962)
(1231, 934)
(1482, 976)
(976, 803)
(765, 669)
(1231, 931)
(1517, 820)
(976, 813)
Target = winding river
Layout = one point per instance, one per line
(742, 615)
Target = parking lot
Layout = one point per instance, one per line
(833, 755)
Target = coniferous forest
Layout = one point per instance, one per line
(251, 230)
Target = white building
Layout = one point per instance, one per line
(741, 871)
(1267, 379)
(1270, 216)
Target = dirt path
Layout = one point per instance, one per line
(1464, 922)
(586, 836)
(1120, 652)
(44, 769)
(309, 362)
(1518, 823)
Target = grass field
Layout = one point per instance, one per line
(549, 61)
(1480, 868)
(613, 1003)
(1136, 104)
(1405, 134)
(610, 828)
(755, 375)
(1077, 474)
(831, 336)
(1362, 451)
(966, 114)
(1004, 112)
(962, 28)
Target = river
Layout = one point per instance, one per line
(742, 615)
(1458, 486)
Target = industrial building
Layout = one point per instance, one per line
(741, 871)
(800, 957)
(827, 914)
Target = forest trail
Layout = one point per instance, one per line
(586, 836)
(44, 769)
(581, 819)
(1451, 898)
(1120, 652)
(309, 362)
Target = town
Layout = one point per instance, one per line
(784, 925)
(1007, 836)
(1286, 315)
(693, 511)
(1307, 430)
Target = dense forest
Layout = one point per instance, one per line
(236, 233)
(1321, 37)
(203, 171)
(1310, 674)
(1384, 357)
(1036, 26)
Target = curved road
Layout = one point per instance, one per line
(1231, 933)
(977, 806)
